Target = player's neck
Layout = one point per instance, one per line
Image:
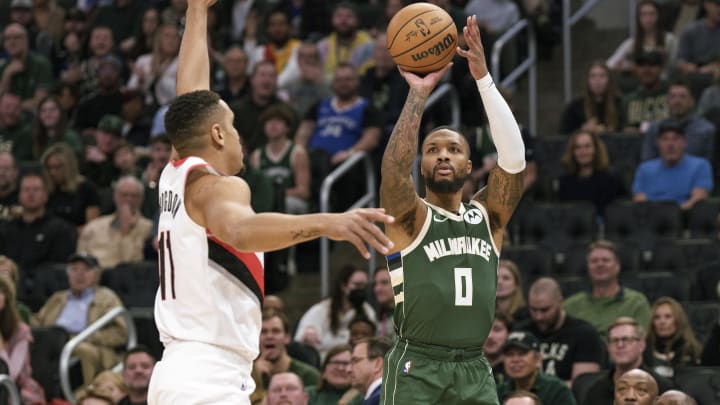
(449, 202)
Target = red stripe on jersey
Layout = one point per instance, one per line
(179, 162)
(250, 260)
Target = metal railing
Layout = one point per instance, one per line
(9, 384)
(70, 346)
(528, 65)
(367, 200)
(568, 21)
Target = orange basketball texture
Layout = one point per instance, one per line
(421, 38)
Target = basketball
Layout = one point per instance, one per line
(421, 38)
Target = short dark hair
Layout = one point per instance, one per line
(39, 174)
(670, 126)
(138, 349)
(377, 346)
(268, 314)
(187, 117)
(280, 112)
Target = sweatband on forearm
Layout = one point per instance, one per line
(503, 127)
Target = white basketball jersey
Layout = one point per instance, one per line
(209, 292)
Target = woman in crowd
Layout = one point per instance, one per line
(598, 109)
(50, 128)
(155, 73)
(587, 177)
(110, 384)
(671, 343)
(509, 298)
(326, 324)
(649, 36)
(72, 197)
(335, 381)
(9, 269)
(15, 351)
(142, 42)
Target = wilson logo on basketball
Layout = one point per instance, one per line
(436, 49)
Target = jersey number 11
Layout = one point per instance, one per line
(165, 253)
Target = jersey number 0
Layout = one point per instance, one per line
(165, 252)
(463, 287)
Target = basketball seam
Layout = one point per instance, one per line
(427, 40)
(408, 22)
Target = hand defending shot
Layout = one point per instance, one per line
(357, 227)
(475, 54)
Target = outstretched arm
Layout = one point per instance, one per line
(194, 60)
(505, 184)
(397, 189)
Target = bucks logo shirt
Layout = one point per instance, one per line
(445, 280)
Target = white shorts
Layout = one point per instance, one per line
(197, 373)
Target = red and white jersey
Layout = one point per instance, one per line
(209, 292)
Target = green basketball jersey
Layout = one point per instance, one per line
(445, 280)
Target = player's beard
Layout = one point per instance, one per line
(445, 186)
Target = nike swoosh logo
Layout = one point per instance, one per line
(440, 219)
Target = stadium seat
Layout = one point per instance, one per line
(707, 282)
(582, 383)
(557, 226)
(658, 284)
(575, 262)
(147, 332)
(702, 317)
(703, 219)
(644, 223)
(573, 284)
(533, 261)
(45, 353)
(44, 282)
(701, 383)
(135, 283)
(548, 152)
(624, 154)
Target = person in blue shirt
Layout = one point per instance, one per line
(674, 175)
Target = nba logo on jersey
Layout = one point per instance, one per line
(473, 216)
(408, 364)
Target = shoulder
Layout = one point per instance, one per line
(634, 295)
(202, 186)
(696, 161)
(99, 222)
(577, 299)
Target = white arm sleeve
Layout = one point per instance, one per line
(503, 127)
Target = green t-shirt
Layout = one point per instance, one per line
(37, 75)
(445, 281)
(328, 396)
(644, 106)
(551, 390)
(309, 375)
(602, 312)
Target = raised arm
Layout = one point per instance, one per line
(505, 184)
(194, 59)
(397, 189)
(228, 215)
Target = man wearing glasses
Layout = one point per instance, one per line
(626, 343)
(366, 367)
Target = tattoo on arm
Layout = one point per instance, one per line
(305, 234)
(507, 188)
(398, 189)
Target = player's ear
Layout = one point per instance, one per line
(469, 166)
(217, 135)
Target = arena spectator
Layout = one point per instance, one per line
(50, 127)
(307, 85)
(626, 343)
(509, 294)
(346, 43)
(118, 237)
(635, 387)
(280, 48)
(138, 364)
(106, 97)
(493, 347)
(13, 121)
(274, 358)
(49, 18)
(700, 133)
(72, 197)
(142, 40)
(99, 164)
(24, 73)
(83, 71)
(361, 327)
(233, 82)
(678, 15)
(674, 175)
(569, 346)
(9, 172)
(522, 358)
(110, 383)
(697, 49)
(263, 87)
(522, 398)
(384, 301)
(286, 389)
(648, 102)
(710, 98)
(9, 270)
(649, 36)
(36, 237)
(94, 397)
(671, 343)
(607, 299)
(674, 397)
(325, 324)
(81, 305)
(154, 73)
(125, 160)
(598, 109)
(160, 150)
(335, 381)
(366, 367)
(136, 120)
(587, 176)
(284, 161)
